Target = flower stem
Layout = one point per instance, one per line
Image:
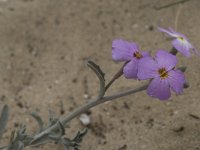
(115, 77)
(100, 101)
(86, 107)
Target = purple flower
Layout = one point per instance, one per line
(163, 74)
(180, 42)
(129, 52)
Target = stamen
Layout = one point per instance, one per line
(137, 55)
(163, 73)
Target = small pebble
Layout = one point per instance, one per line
(86, 96)
(85, 119)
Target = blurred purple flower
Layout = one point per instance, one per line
(129, 52)
(180, 42)
(164, 76)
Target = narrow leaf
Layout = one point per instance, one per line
(58, 133)
(100, 75)
(38, 119)
(52, 118)
(79, 137)
(3, 119)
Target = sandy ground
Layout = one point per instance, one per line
(44, 45)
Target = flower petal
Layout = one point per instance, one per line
(178, 35)
(134, 46)
(144, 53)
(147, 68)
(159, 88)
(131, 69)
(123, 50)
(183, 46)
(181, 42)
(169, 32)
(176, 80)
(166, 60)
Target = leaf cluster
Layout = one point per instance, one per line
(20, 139)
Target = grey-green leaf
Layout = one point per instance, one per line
(59, 133)
(38, 119)
(100, 75)
(79, 137)
(3, 119)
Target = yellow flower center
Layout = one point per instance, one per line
(181, 38)
(163, 73)
(137, 55)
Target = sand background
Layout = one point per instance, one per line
(44, 45)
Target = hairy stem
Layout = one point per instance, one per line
(87, 106)
(100, 101)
